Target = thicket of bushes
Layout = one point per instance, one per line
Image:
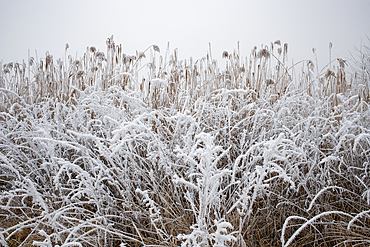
(258, 154)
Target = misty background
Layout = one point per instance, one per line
(44, 25)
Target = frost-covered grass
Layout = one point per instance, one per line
(261, 153)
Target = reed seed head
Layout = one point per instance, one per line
(6, 70)
(269, 82)
(80, 74)
(329, 74)
(310, 65)
(342, 63)
(10, 65)
(263, 53)
(100, 55)
(49, 59)
(30, 61)
(141, 55)
(156, 48)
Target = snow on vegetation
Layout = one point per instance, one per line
(146, 150)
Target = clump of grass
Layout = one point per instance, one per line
(190, 154)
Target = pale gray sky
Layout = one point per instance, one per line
(46, 25)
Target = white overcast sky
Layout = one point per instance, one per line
(47, 25)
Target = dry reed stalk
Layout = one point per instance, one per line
(80, 130)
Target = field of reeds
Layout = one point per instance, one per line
(121, 150)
